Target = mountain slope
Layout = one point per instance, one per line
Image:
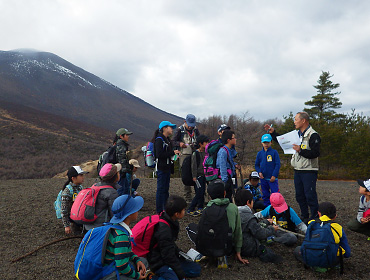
(46, 82)
(36, 144)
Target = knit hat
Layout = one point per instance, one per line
(125, 205)
(216, 189)
(278, 202)
(109, 170)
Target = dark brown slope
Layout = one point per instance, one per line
(46, 82)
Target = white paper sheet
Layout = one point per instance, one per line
(287, 140)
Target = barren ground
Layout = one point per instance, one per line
(27, 221)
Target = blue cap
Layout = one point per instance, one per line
(166, 123)
(125, 205)
(190, 120)
(266, 138)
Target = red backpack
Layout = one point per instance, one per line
(143, 232)
(83, 208)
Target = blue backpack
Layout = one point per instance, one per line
(89, 260)
(58, 202)
(319, 248)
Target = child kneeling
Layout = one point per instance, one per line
(164, 258)
(285, 217)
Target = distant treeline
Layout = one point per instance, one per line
(345, 146)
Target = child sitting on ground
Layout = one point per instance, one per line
(217, 192)
(253, 187)
(164, 258)
(69, 192)
(253, 232)
(118, 250)
(362, 223)
(285, 217)
(327, 213)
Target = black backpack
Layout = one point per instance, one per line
(214, 236)
(109, 156)
(186, 175)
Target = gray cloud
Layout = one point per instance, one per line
(205, 57)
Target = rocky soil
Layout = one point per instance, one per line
(27, 221)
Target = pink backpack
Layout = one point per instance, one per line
(83, 208)
(143, 232)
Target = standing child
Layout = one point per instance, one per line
(163, 152)
(254, 232)
(122, 152)
(164, 258)
(362, 223)
(197, 171)
(285, 217)
(132, 181)
(118, 250)
(69, 192)
(254, 187)
(225, 161)
(268, 165)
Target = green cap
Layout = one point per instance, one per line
(122, 131)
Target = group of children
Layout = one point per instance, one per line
(273, 220)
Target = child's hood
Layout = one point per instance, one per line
(219, 201)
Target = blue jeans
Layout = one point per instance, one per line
(191, 269)
(305, 193)
(163, 186)
(198, 200)
(266, 186)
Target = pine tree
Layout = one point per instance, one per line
(325, 100)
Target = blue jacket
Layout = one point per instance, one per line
(268, 163)
(225, 162)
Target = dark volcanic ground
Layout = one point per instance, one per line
(27, 221)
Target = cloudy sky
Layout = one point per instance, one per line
(205, 57)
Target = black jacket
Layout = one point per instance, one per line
(165, 251)
(163, 152)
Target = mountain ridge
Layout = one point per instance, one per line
(46, 82)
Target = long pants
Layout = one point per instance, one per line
(305, 192)
(356, 226)
(113, 275)
(286, 238)
(163, 186)
(198, 200)
(187, 189)
(268, 188)
(191, 269)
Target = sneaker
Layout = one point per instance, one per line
(193, 213)
(200, 210)
(270, 240)
(320, 269)
(222, 262)
(149, 275)
(368, 239)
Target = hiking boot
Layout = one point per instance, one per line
(222, 262)
(193, 213)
